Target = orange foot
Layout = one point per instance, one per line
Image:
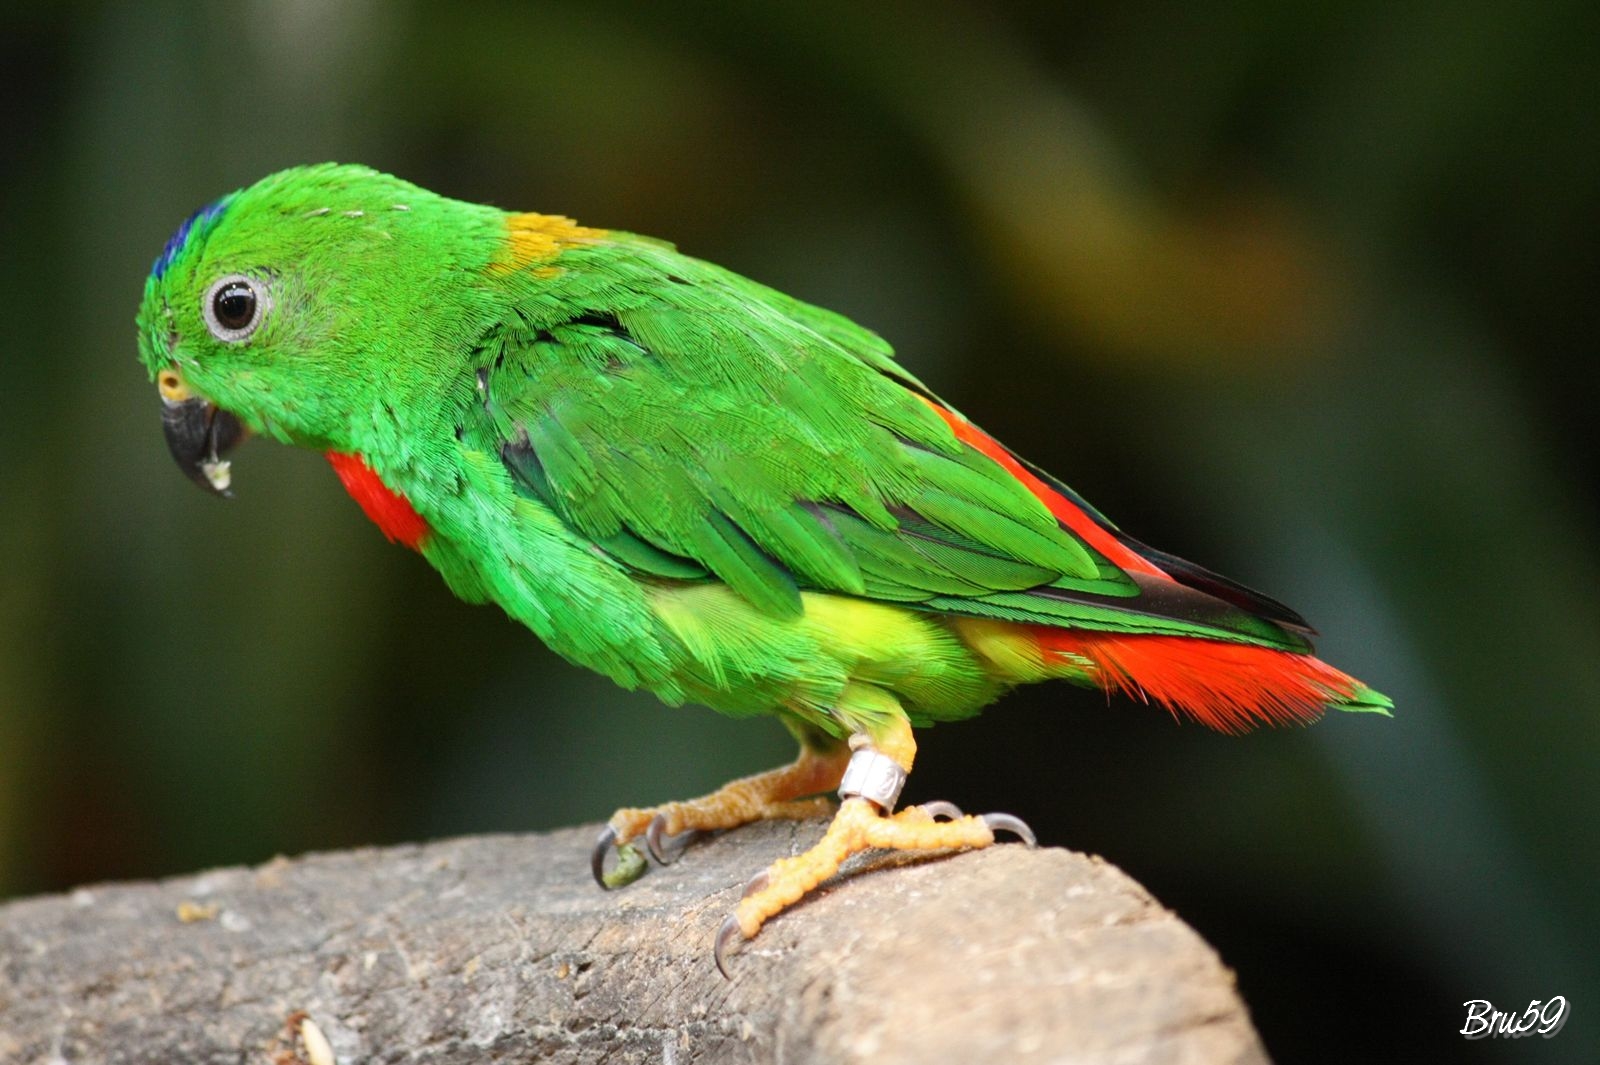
(864, 821)
(778, 793)
(859, 825)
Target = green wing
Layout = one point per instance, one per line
(697, 426)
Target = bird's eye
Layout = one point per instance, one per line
(234, 307)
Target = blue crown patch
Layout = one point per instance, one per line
(176, 242)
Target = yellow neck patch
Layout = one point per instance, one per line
(532, 239)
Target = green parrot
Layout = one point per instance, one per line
(693, 484)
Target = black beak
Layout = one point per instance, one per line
(198, 435)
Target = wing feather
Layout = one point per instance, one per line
(697, 426)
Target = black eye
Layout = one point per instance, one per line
(234, 306)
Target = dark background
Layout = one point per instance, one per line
(1304, 292)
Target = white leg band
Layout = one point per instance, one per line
(873, 776)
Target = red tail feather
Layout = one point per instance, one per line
(1228, 686)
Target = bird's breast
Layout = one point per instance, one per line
(390, 511)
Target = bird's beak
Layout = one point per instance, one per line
(198, 434)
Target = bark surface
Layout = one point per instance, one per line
(502, 948)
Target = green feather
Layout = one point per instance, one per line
(674, 475)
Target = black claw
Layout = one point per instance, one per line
(630, 862)
(757, 883)
(597, 858)
(655, 840)
(725, 934)
(652, 840)
(939, 808)
(1015, 825)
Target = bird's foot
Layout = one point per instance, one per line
(667, 829)
(860, 824)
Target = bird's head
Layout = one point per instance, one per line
(307, 307)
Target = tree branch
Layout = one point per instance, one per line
(502, 947)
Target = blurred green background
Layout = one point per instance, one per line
(1303, 292)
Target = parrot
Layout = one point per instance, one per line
(694, 485)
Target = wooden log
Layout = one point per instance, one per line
(502, 948)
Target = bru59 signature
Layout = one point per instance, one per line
(1483, 1020)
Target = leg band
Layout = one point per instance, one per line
(873, 776)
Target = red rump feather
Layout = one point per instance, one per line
(1066, 512)
(390, 511)
(1228, 686)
